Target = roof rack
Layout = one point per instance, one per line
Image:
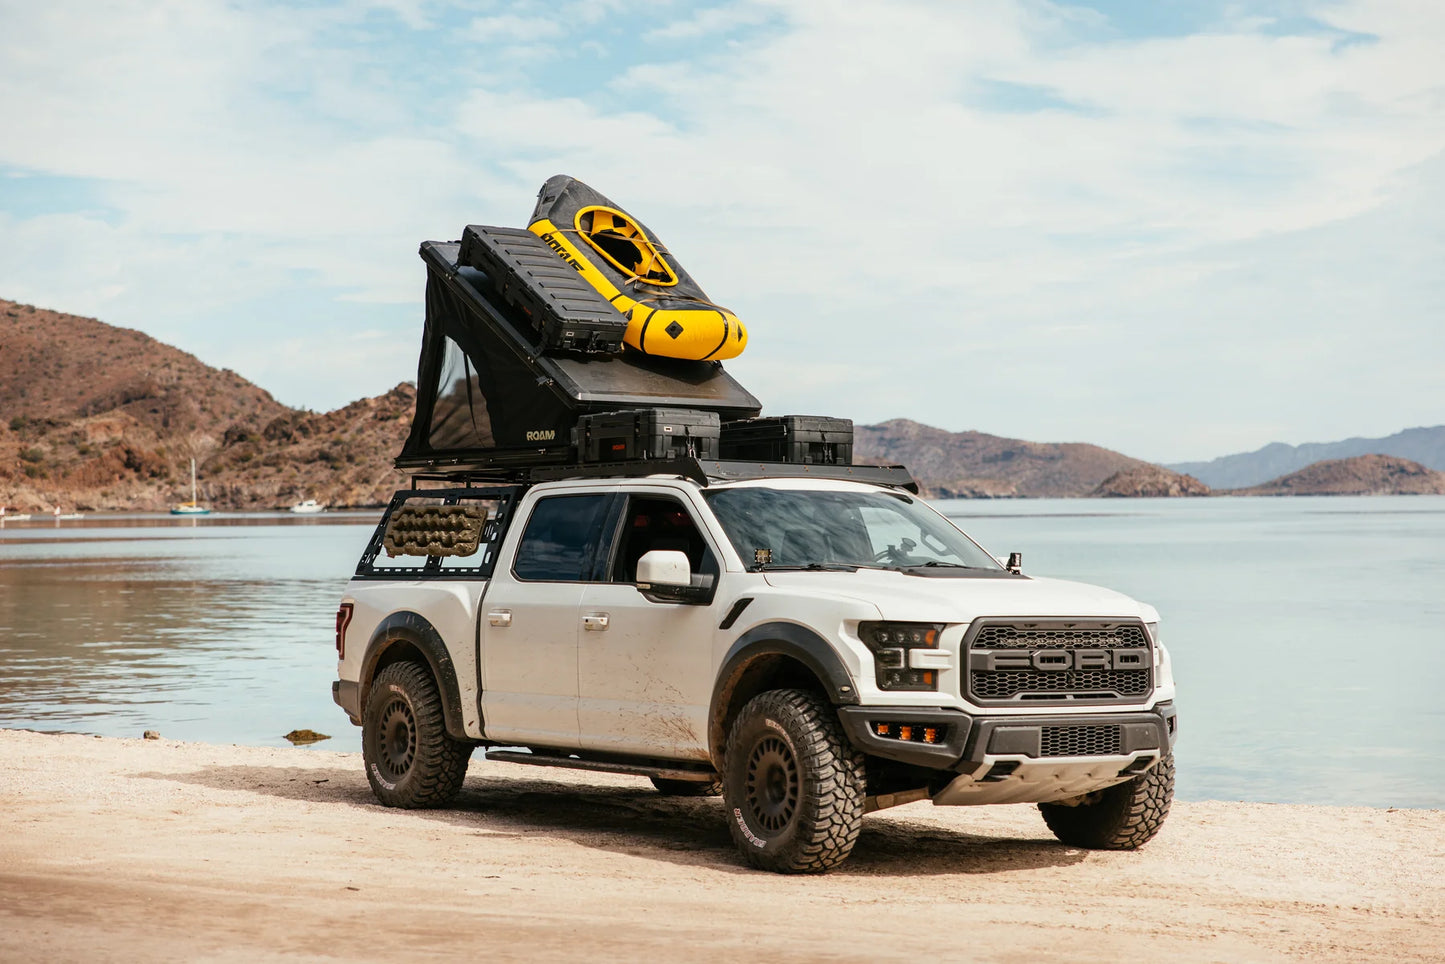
(702, 471)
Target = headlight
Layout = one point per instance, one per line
(1163, 667)
(890, 643)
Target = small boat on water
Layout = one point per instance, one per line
(667, 312)
(192, 507)
(59, 516)
(308, 507)
(7, 516)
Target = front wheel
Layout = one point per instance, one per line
(793, 785)
(411, 760)
(1122, 817)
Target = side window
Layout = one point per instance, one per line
(651, 522)
(561, 538)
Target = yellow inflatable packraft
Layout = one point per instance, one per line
(667, 313)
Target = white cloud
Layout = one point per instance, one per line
(854, 179)
(510, 27)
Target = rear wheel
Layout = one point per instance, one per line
(411, 760)
(687, 788)
(1122, 817)
(793, 785)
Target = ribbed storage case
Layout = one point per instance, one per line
(647, 433)
(567, 313)
(811, 439)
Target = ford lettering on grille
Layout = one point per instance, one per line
(1059, 662)
(1054, 660)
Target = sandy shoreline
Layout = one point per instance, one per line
(153, 850)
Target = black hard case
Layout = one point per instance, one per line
(647, 433)
(812, 439)
(567, 312)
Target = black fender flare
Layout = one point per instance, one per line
(778, 639)
(412, 629)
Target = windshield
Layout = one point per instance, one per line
(785, 528)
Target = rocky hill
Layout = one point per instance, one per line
(98, 417)
(976, 465)
(1423, 445)
(1361, 475)
(1149, 482)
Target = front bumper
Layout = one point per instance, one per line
(976, 746)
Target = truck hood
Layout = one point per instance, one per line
(912, 598)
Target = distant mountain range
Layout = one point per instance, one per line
(1423, 445)
(968, 465)
(97, 417)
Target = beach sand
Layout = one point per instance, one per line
(154, 850)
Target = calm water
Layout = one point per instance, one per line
(1308, 635)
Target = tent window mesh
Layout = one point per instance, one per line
(459, 417)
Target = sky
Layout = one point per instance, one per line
(1178, 230)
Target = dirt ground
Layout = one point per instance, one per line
(156, 851)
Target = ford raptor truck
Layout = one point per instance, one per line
(811, 649)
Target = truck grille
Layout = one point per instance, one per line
(1103, 740)
(1059, 663)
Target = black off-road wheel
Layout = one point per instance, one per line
(793, 785)
(1122, 817)
(687, 788)
(410, 759)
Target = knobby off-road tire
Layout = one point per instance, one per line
(793, 785)
(687, 788)
(410, 759)
(1122, 817)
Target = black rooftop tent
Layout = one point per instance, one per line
(489, 397)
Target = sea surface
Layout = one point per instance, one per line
(1308, 635)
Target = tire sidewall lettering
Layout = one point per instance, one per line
(747, 831)
(376, 775)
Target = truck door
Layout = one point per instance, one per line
(643, 665)
(529, 623)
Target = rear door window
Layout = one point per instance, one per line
(561, 538)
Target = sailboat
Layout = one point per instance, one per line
(192, 507)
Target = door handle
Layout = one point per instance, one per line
(500, 617)
(595, 622)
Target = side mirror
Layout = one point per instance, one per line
(663, 568)
(1015, 562)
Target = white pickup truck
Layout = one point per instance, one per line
(813, 649)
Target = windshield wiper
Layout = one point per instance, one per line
(806, 567)
(936, 564)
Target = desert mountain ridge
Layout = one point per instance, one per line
(1360, 475)
(971, 465)
(96, 417)
(1425, 445)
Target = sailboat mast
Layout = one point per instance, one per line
(193, 481)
